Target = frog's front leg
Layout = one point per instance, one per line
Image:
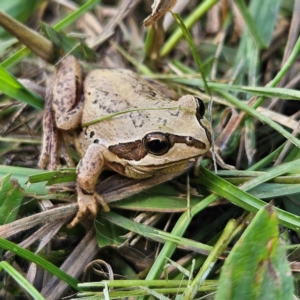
(88, 171)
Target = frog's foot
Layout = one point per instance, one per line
(87, 207)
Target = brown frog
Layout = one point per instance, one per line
(144, 134)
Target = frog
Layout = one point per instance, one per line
(120, 122)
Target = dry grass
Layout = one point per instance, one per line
(251, 74)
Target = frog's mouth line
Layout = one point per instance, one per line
(167, 164)
(159, 169)
(135, 150)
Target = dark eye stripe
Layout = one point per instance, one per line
(136, 151)
(130, 151)
(188, 140)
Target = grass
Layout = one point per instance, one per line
(207, 235)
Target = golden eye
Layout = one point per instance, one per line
(156, 143)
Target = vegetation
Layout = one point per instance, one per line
(231, 233)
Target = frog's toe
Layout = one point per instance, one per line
(88, 207)
(76, 220)
(91, 209)
(102, 202)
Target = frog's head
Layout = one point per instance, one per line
(186, 136)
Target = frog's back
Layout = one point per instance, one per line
(108, 91)
(111, 91)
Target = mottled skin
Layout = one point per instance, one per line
(120, 143)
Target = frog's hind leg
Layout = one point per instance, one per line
(49, 154)
(63, 112)
(64, 147)
(67, 94)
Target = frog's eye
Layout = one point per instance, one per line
(200, 108)
(156, 143)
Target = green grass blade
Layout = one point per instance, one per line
(247, 59)
(11, 195)
(18, 56)
(22, 175)
(254, 31)
(202, 9)
(15, 58)
(10, 86)
(178, 230)
(21, 280)
(218, 249)
(266, 160)
(18, 9)
(149, 283)
(256, 267)
(249, 202)
(282, 72)
(274, 190)
(265, 15)
(239, 197)
(43, 263)
(73, 17)
(265, 91)
(149, 232)
(251, 111)
(193, 49)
